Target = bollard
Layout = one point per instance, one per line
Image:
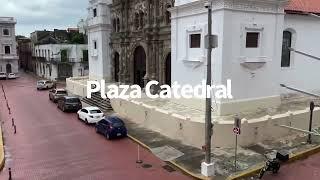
(15, 129)
(312, 105)
(139, 161)
(10, 175)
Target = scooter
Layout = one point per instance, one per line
(272, 165)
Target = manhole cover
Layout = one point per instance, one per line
(146, 166)
(168, 168)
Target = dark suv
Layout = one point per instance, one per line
(68, 103)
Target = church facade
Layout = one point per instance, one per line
(139, 33)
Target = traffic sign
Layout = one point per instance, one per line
(236, 131)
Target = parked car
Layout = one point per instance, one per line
(90, 115)
(55, 94)
(68, 103)
(111, 127)
(44, 84)
(3, 75)
(11, 76)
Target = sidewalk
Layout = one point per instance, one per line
(247, 157)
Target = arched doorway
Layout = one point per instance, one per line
(168, 69)
(8, 68)
(139, 66)
(116, 65)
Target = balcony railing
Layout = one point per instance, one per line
(8, 56)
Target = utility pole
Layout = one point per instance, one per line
(207, 168)
(208, 123)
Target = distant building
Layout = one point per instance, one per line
(59, 54)
(25, 53)
(8, 51)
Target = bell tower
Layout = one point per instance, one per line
(99, 32)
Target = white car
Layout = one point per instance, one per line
(90, 115)
(3, 75)
(11, 76)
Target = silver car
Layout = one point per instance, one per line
(44, 84)
(55, 94)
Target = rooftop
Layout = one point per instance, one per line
(7, 20)
(304, 6)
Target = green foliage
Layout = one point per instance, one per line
(77, 38)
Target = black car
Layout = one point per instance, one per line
(68, 103)
(111, 127)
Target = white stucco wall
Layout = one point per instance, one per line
(254, 71)
(304, 71)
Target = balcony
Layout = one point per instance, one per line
(8, 57)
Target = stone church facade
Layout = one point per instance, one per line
(141, 41)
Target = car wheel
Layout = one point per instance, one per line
(79, 117)
(63, 109)
(96, 128)
(107, 135)
(86, 121)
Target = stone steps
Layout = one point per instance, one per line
(96, 100)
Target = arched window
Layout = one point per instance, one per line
(168, 15)
(286, 46)
(141, 20)
(136, 21)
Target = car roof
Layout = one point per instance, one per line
(113, 119)
(61, 90)
(71, 97)
(91, 108)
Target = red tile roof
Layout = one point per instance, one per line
(310, 6)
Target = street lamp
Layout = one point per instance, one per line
(207, 167)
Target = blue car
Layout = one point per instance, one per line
(111, 127)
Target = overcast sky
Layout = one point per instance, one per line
(34, 15)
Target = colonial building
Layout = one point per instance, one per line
(8, 46)
(59, 54)
(136, 35)
(25, 53)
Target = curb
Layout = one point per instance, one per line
(294, 157)
(2, 157)
(172, 163)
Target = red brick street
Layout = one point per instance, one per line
(50, 144)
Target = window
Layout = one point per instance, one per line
(84, 110)
(95, 12)
(85, 55)
(118, 25)
(136, 21)
(286, 52)
(6, 32)
(7, 49)
(114, 25)
(95, 44)
(252, 40)
(141, 20)
(168, 15)
(195, 40)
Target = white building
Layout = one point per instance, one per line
(59, 61)
(8, 45)
(251, 35)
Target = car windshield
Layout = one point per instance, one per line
(117, 124)
(73, 100)
(61, 92)
(96, 111)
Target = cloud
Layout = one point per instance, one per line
(34, 15)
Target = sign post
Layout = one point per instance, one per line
(237, 132)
